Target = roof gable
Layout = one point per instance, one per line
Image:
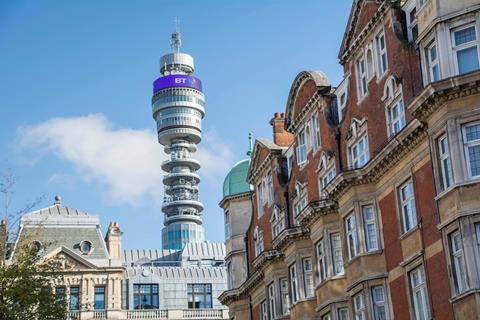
(361, 13)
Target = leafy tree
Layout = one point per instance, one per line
(27, 281)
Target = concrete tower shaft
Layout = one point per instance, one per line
(178, 108)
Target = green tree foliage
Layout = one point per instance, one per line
(27, 288)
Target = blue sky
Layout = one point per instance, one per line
(76, 83)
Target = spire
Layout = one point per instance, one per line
(250, 145)
(176, 38)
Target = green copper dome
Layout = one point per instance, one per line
(236, 180)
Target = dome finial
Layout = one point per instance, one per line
(58, 199)
(250, 145)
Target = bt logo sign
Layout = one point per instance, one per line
(181, 80)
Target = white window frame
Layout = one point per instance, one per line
(459, 267)
(264, 310)
(301, 147)
(433, 63)
(411, 23)
(277, 221)
(259, 245)
(456, 48)
(269, 185)
(408, 208)
(355, 161)
(444, 162)
(419, 294)
(260, 197)
(351, 235)
(308, 286)
(381, 53)
(322, 263)
(271, 301)
(343, 313)
(399, 119)
(470, 144)
(317, 142)
(370, 228)
(379, 305)
(284, 296)
(301, 204)
(337, 254)
(359, 307)
(293, 277)
(327, 316)
(362, 77)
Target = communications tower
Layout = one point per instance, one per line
(178, 108)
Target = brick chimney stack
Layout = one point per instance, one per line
(280, 136)
(113, 241)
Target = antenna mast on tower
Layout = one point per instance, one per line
(176, 38)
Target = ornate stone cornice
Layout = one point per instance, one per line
(235, 197)
(316, 209)
(435, 95)
(254, 280)
(289, 236)
(390, 154)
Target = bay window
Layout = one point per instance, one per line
(292, 271)
(258, 238)
(264, 310)
(471, 141)
(337, 255)
(351, 234)
(307, 277)
(342, 314)
(419, 294)
(379, 303)
(321, 261)
(271, 301)
(370, 228)
(433, 63)
(445, 165)
(278, 221)
(284, 297)
(359, 308)
(465, 47)
(458, 262)
(407, 206)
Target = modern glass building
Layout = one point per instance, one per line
(178, 109)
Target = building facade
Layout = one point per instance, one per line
(180, 281)
(365, 204)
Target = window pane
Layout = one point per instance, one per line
(465, 35)
(472, 132)
(474, 158)
(467, 60)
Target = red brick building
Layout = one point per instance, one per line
(366, 203)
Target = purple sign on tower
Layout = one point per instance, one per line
(177, 80)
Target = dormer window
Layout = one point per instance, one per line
(278, 221)
(86, 247)
(258, 239)
(301, 200)
(359, 154)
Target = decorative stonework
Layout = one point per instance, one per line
(395, 149)
(289, 236)
(435, 95)
(315, 210)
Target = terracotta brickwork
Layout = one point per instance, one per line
(372, 213)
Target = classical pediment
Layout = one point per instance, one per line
(68, 260)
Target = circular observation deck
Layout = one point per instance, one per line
(181, 178)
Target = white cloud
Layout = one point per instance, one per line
(125, 160)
